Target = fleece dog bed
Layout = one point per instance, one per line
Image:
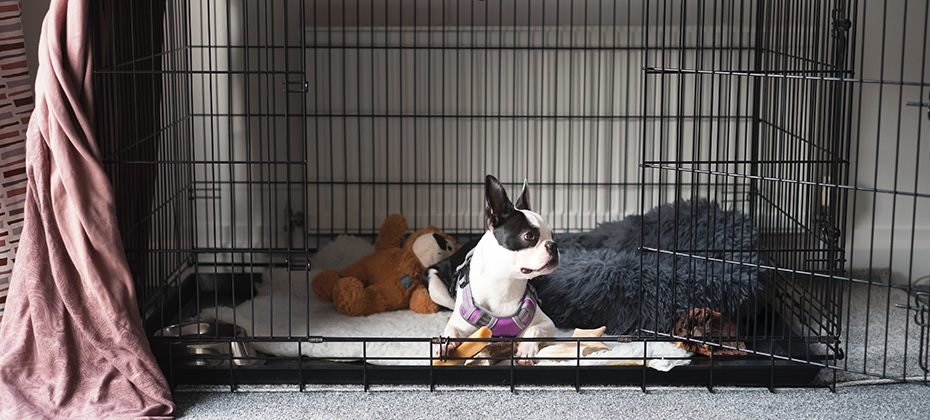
(283, 308)
(599, 281)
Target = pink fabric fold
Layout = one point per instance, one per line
(72, 343)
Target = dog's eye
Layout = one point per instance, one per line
(529, 237)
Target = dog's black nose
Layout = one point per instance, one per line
(552, 247)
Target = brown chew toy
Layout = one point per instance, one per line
(466, 349)
(491, 354)
(706, 324)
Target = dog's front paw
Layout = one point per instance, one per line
(526, 351)
(445, 350)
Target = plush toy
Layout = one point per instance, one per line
(390, 278)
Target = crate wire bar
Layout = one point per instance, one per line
(242, 136)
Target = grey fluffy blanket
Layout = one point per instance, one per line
(606, 280)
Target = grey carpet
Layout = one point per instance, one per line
(878, 338)
(900, 401)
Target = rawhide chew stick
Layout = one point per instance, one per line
(466, 349)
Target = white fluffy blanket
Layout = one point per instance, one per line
(285, 306)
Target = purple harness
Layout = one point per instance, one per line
(506, 326)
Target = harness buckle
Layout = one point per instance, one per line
(484, 320)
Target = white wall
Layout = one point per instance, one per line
(577, 167)
(252, 164)
(362, 169)
(891, 141)
(508, 13)
(506, 112)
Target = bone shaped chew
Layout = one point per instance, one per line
(466, 349)
(569, 349)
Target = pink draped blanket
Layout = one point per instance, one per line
(72, 343)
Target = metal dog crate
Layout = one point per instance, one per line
(241, 136)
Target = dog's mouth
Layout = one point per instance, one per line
(551, 265)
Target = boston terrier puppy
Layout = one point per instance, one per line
(487, 282)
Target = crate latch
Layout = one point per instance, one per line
(297, 86)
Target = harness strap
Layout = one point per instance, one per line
(500, 326)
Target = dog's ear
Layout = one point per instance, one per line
(499, 206)
(523, 202)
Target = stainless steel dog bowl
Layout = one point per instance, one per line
(215, 343)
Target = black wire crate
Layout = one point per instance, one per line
(758, 163)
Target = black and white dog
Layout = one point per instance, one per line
(487, 282)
